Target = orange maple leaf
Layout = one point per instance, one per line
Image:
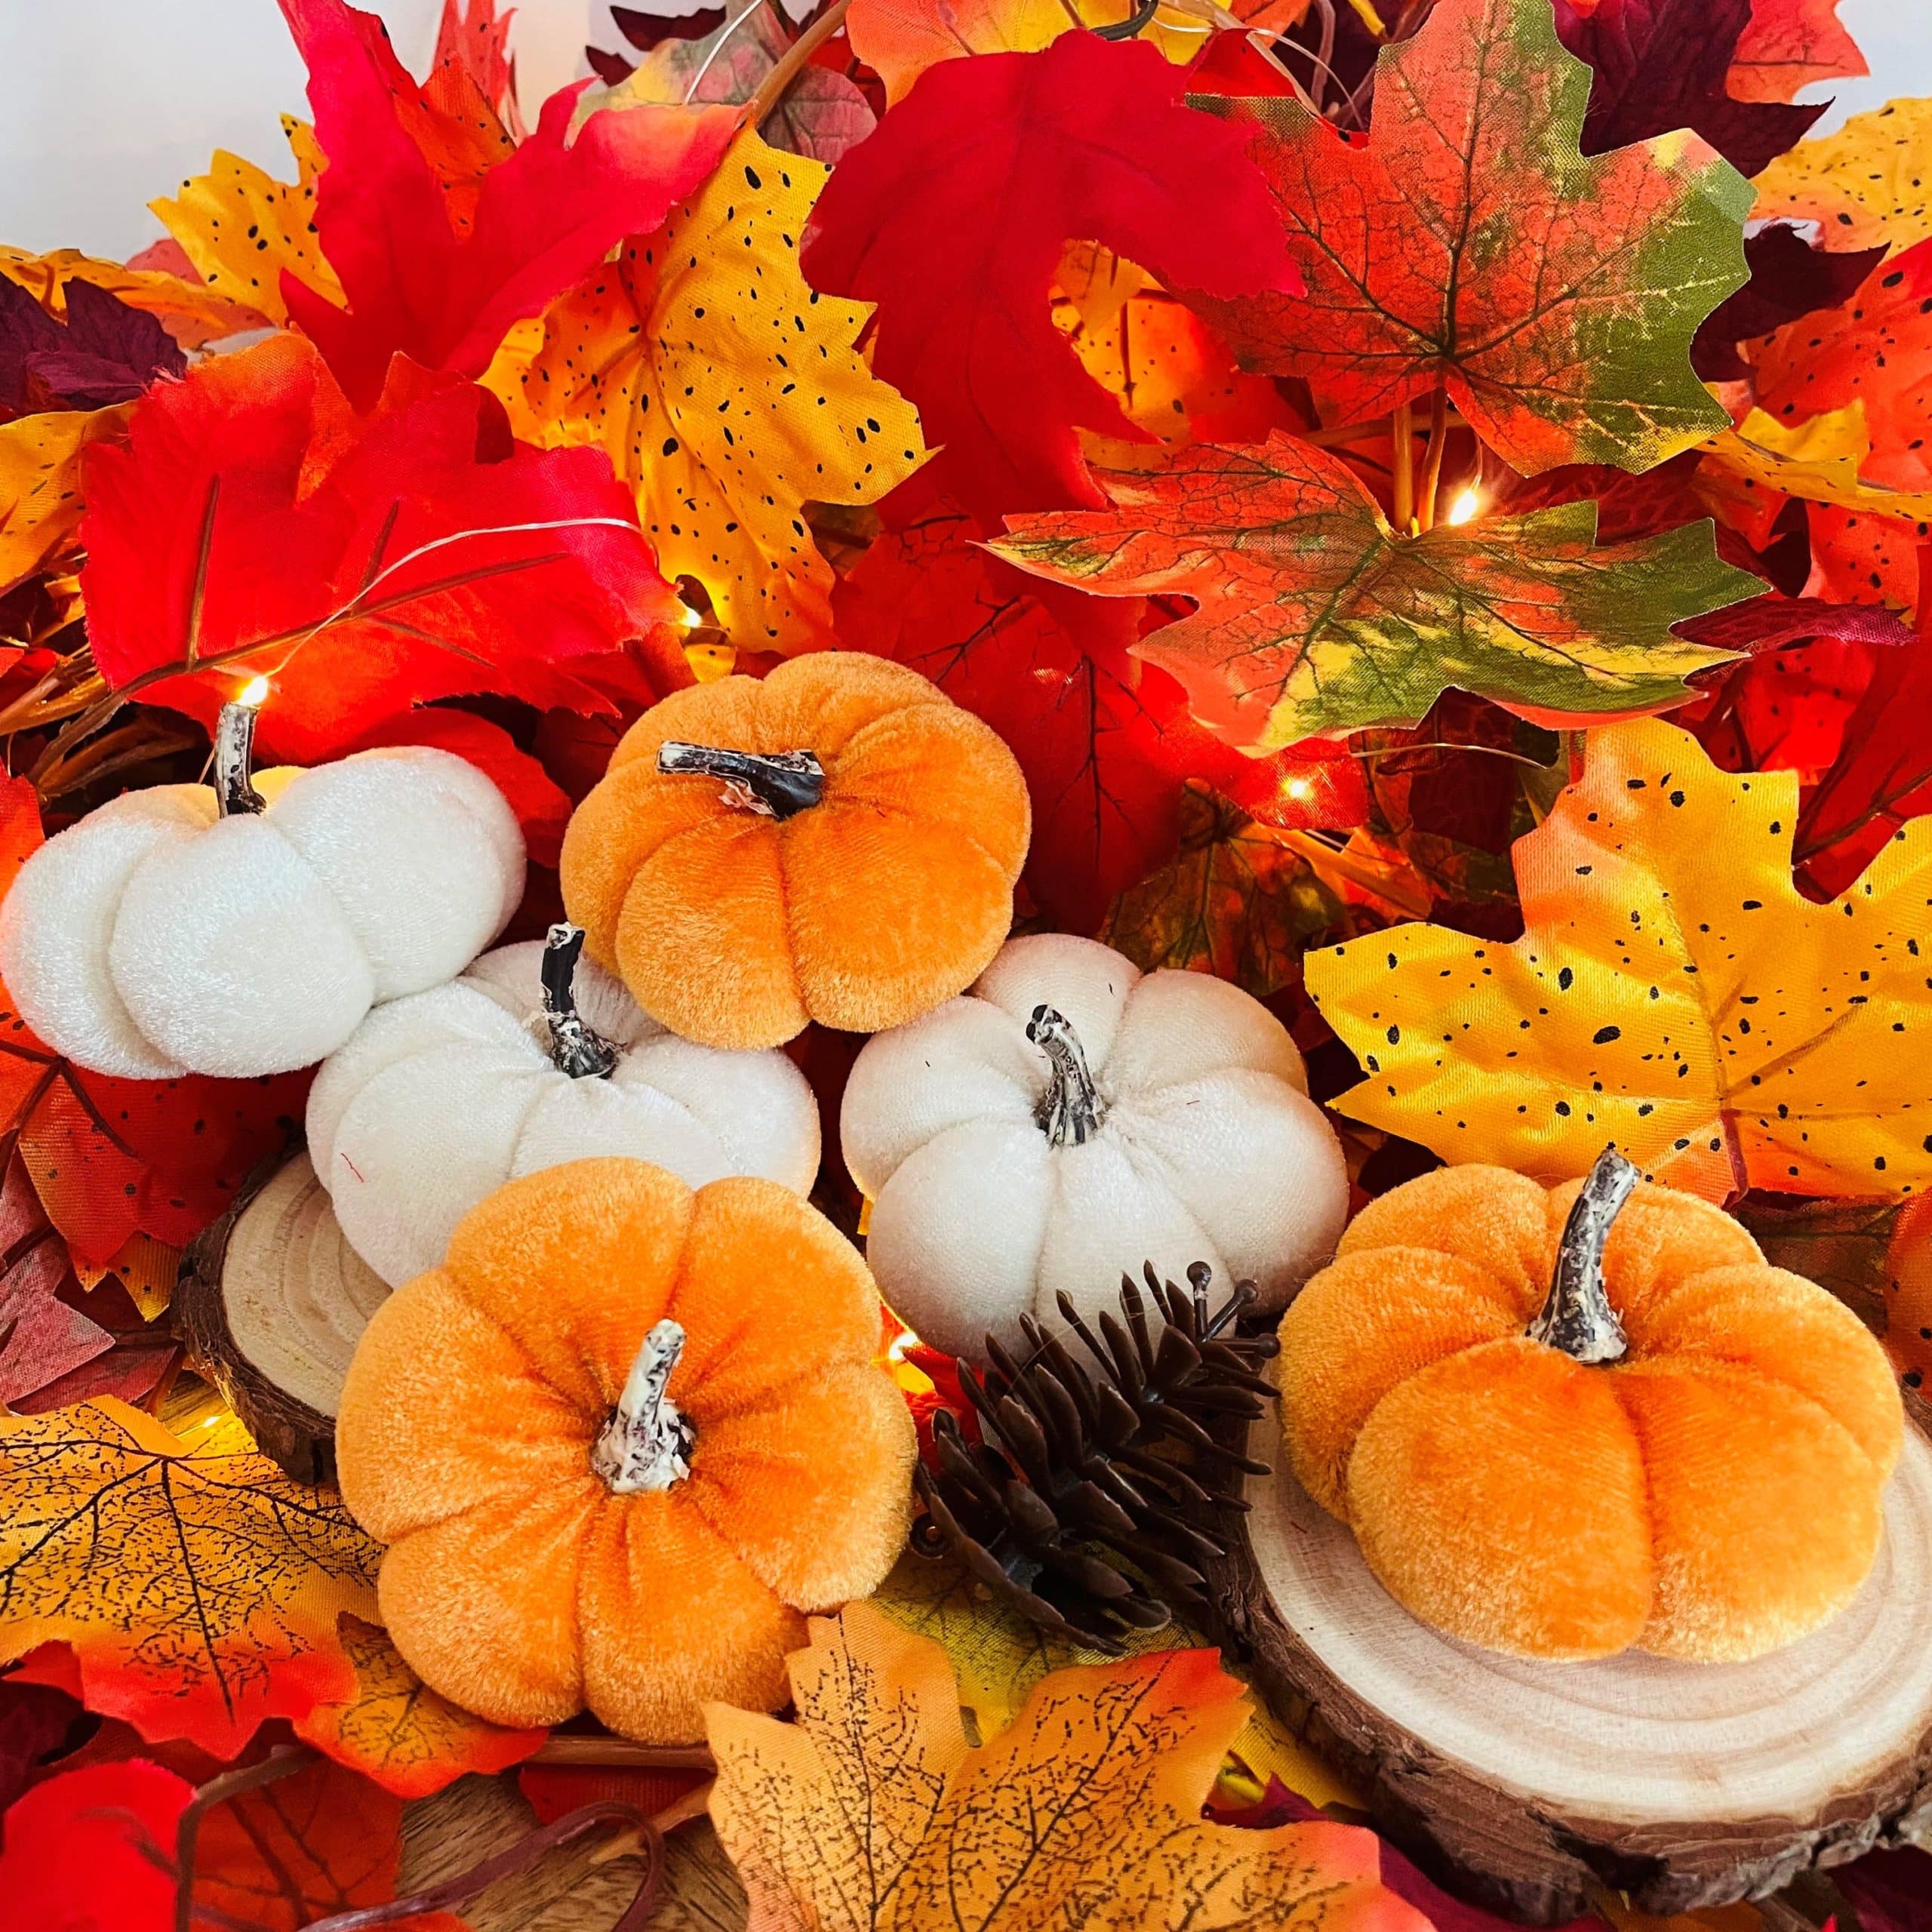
(872, 1813)
(198, 1587)
(395, 1729)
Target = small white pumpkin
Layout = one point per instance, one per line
(227, 930)
(1070, 1118)
(535, 1056)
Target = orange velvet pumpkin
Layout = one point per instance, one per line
(838, 841)
(1561, 1423)
(564, 1530)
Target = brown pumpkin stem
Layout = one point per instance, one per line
(575, 1048)
(779, 784)
(234, 791)
(646, 1444)
(1577, 1318)
(1070, 1108)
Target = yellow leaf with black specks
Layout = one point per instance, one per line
(40, 482)
(728, 394)
(1867, 182)
(1673, 995)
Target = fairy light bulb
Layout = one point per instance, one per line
(254, 694)
(1299, 789)
(1465, 507)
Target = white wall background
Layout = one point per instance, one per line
(105, 104)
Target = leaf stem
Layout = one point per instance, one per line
(1432, 478)
(1402, 427)
(771, 89)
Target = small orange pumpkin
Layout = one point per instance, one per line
(1563, 1422)
(619, 1441)
(838, 841)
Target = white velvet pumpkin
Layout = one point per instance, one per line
(154, 937)
(1201, 1143)
(438, 1099)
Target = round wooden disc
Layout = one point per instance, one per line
(271, 1301)
(1526, 1785)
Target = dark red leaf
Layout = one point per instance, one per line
(1891, 1891)
(1773, 622)
(542, 217)
(365, 565)
(1788, 279)
(36, 1721)
(952, 217)
(103, 352)
(1661, 64)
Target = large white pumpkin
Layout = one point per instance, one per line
(157, 937)
(1070, 1118)
(439, 1099)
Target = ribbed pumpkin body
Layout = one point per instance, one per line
(1713, 1495)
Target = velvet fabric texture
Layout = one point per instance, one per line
(516, 1582)
(1714, 1495)
(889, 895)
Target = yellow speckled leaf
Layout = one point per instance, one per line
(241, 227)
(727, 393)
(1672, 994)
(193, 314)
(1869, 182)
(40, 487)
(1753, 467)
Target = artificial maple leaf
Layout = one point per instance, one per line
(42, 1337)
(1786, 711)
(821, 115)
(1239, 899)
(197, 1587)
(395, 1730)
(1883, 775)
(1469, 244)
(192, 314)
(91, 1851)
(543, 808)
(1673, 995)
(1869, 182)
(241, 228)
(254, 525)
(727, 395)
(103, 352)
(1877, 349)
(1788, 279)
(1312, 616)
(1788, 45)
(541, 218)
(1106, 745)
(952, 218)
(1878, 558)
(477, 48)
(870, 1813)
(1661, 64)
(41, 500)
(1749, 472)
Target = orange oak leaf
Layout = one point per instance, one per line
(417, 282)
(1788, 45)
(198, 1587)
(395, 1730)
(952, 217)
(1312, 616)
(872, 1813)
(1673, 995)
(363, 563)
(1469, 243)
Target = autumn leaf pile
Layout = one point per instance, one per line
(1433, 493)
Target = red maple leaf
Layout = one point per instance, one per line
(1788, 45)
(1661, 64)
(1875, 349)
(254, 524)
(1105, 742)
(541, 218)
(952, 217)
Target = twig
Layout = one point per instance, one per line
(771, 89)
(620, 1754)
(1431, 477)
(218, 1791)
(1402, 426)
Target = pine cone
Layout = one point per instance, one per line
(1082, 1509)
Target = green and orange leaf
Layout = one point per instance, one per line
(1469, 244)
(1312, 616)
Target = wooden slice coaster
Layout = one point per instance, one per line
(1526, 1786)
(270, 1302)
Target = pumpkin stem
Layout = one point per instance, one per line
(234, 791)
(1070, 1108)
(779, 784)
(1577, 1318)
(646, 1444)
(575, 1049)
